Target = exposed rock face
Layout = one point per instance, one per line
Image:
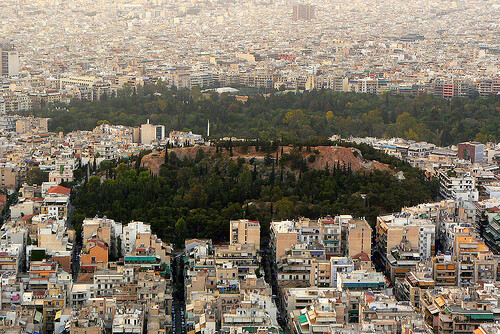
(324, 155)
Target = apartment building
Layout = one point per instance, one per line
(150, 133)
(283, 236)
(295, 267)
(403, 241)
(331, 236)
(39, 99)
(94, 256)
(64, 174)
(31, 124)
(223, 291)
(56, 203)
(9, 61)
(411, 287)
(324, 272)
(87, 82)
(105, 282)
(326, 232)
(471, 151)
(130, 233)
(182, 138)
(457, 184)
(488, 86)
(10, 176)
(323, 315)
(359, 238)
(359, 280)
(456, 310)
(445, 270)
(303, 12)
(245, 231)
(382, 314)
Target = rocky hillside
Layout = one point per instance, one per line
(317, 157)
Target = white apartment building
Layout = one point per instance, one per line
(458, 184)
(129, 235)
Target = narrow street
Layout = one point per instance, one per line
(271, 278)
(178, 302)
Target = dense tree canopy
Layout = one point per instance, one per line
(34, 175)
(290, 116)
(197, 197)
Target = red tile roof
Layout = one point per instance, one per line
(361, 257)
(59, 190)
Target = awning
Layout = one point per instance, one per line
(483, 316)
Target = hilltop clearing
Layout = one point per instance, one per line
(319, 157)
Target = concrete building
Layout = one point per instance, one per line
(131, 232)
(303, 12)
(331, 235)
(471, 151)
(9, 61)
(29, 124)
(404, 241)
(181, 138)
(324, 272)
(244, 232)
(64, 174)
(151, 133)
(411, 287)
(359, 238)
(283, 236)
(94, 255)
(84, 85)
(382, 314)
(9, 174)
(444, 270)
(361, 280)
(458, 184)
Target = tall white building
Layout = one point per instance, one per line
(458, 184)
(10, 61)
(130, 234)
(151, 133)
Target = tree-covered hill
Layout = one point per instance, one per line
(290, 116)
(197, 196)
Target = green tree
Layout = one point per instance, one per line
(35, 175)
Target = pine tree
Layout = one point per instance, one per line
(272, 176)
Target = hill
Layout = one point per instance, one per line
(319, 158)
(194, 192)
